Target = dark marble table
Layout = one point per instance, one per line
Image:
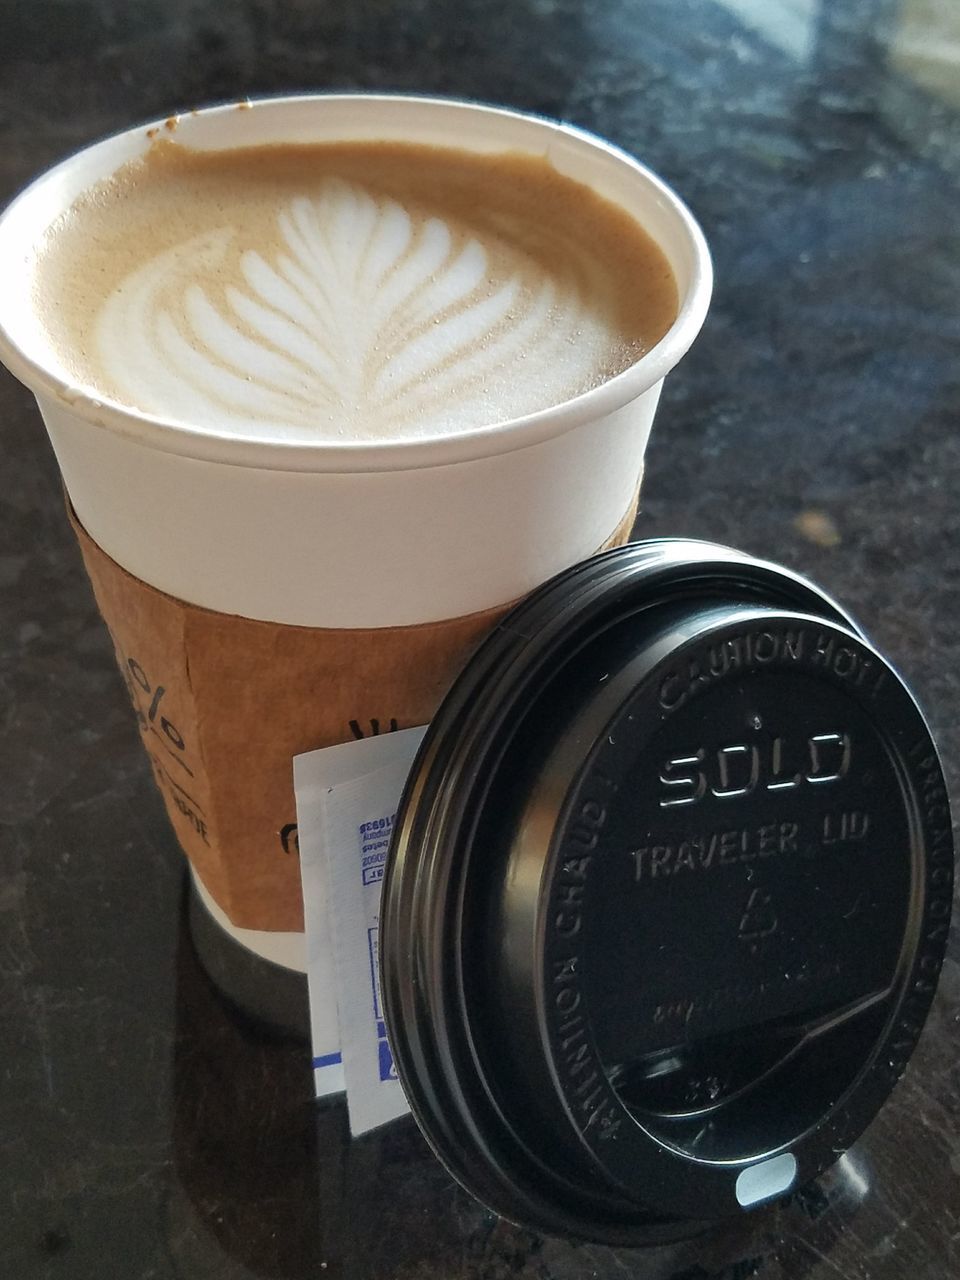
(144, 1130)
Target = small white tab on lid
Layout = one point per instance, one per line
(765, 1180)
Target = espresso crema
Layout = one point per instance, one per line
(354, 291)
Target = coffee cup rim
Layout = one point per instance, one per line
(171, 436)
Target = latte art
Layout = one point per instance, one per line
(361, 321)
(345, 310)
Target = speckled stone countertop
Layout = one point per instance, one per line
(145, 1131)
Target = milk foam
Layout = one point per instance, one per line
(371, 292)
(361, 324)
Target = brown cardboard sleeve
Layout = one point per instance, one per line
(224, 703)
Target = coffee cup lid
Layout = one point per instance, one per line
(668, 896)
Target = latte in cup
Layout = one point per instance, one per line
(359, 290)
(331, 380)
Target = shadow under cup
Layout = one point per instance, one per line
(266, 597)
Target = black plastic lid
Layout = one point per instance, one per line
(667, 898)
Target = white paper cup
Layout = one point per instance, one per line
(353, 534)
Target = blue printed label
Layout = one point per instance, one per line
(387, 1070)
(384, 1056)
(374, 843)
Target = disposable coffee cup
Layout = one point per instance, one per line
(268, 597)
